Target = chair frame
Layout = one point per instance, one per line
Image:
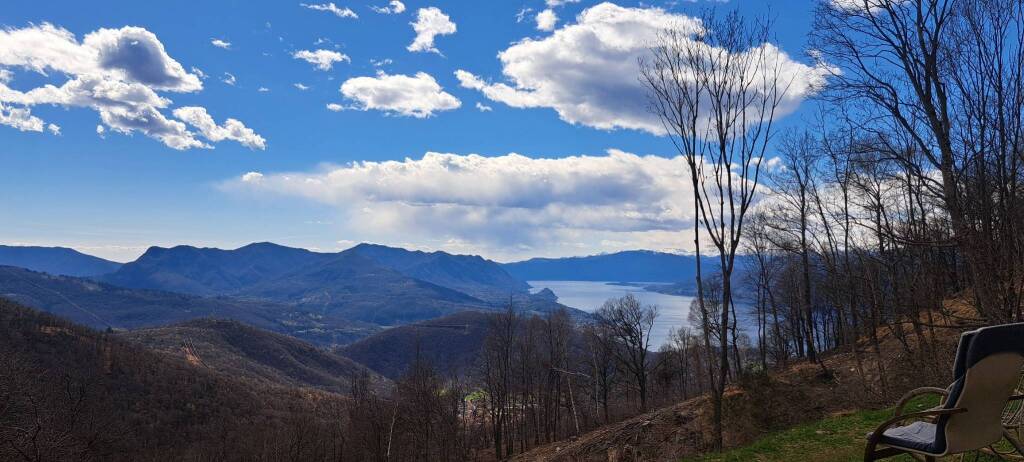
(872, 452)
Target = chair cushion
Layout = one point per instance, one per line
(918, 435)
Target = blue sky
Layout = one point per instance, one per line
(297, 173)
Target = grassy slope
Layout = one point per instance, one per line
(835, 439)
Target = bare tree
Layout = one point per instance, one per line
(629, 323)
(946, 76)
(716, 91)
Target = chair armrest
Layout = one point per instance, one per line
(918, 392)
(875, 435)
(1017, 398)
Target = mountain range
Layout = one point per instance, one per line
(323, 298)
(55, 260)
(627, 266)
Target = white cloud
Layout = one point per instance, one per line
(101, 131)
(301, 86)
(262, 89)
(220, 43)
(394, 7)
(229, 78)
(20, 118)
(483, 107)
(116, 72)
(323, 59)
(500, 204)
(546, 20)
(521, 15)
(587, 71)
(332, 8)
(430, 22)
(53, 129)
(231, 130)
(554, 3)
(252, 177)
(335, 107)
(416, 96)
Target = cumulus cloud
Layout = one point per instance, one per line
(229, 78)
(507, 202)
(322, 59)
(483, 107)
(554, 3)
(232, 129)
(579, 69)
(430, 22)
(20, 118)
(546, 20)
(332, 8)
(220, 43)
(116, 72)
(301, 86)
(394, 7)
(53, 129)
(335, 107)
(416, 96)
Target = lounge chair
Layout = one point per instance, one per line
(969, 417)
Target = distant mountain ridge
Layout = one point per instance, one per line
(212, 271)
(100, 305)
(471, 274)
(55, 260)
(627, 266)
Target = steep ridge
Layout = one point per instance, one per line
(85, 395)
(450, 344)
(102, 306)
(354, 287)
(210, 271)
(56, 260)
(759, 405)
(471, 274)
(237, 350)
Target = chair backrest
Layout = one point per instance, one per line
(987, 368)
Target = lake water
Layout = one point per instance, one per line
(589, 296)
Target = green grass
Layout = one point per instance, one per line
(839, 439)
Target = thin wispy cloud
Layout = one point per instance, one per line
(322, 59)
(341, 12)
(220, 44)
(394, 7)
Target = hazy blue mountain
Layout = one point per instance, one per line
(355, 287)
(630, 266)
(101, 306)
(250, 269)
(209, 271)
(471, 274)
(55, 260)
